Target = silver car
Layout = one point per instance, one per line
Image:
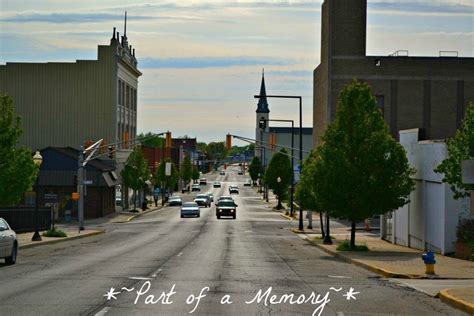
(190, 209)
(8, 243)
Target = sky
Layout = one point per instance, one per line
(202, 61)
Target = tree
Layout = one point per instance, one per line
(186, 170)
(151, 140)
(17, 169)
(279, 175)
(216, 150)
(360, 170)
(135, 172)
(195, 174)
(306, 192)
(460, 147)
(255, 169)
(166, 181)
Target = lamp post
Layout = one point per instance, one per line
(300, 225)
(292, 189)
(38, 160)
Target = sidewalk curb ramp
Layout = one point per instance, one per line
(384, 272)
(458, 303)
(61, 239)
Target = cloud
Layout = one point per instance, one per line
(211, 62)
(68, 17)
(421, 8)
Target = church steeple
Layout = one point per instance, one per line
(262, 106)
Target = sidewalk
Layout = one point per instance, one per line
(72, 232)
(394, 261)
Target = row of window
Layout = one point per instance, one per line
(127, 95)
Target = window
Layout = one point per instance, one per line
(3, 225)
(380, 103)
(127, 97)
(120, 92)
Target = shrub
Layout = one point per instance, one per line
(54, 233)
(465, 232)
(346, 246)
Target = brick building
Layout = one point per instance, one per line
(430, 93)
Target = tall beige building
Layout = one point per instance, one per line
(66, 104)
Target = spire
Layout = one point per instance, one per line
(124, 37)
(262, 106)
(125, 29)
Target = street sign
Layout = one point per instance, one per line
(296, 173)
(86, 182)
(168, 169)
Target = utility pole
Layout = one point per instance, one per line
(80, 180)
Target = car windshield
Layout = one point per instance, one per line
(226, 203)
(190, 204)
(201, 196)
(175, 198)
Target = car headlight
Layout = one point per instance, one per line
(232, 211)
(220, 211)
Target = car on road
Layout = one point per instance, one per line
(216, 184)
(240, 172)
(203, 200)
(225, 197)
(248, 183)
(8, 243)
(226, 208)
(222, 173)
(203, 181)
(196, 187)
(175, 201)
(233, 189)
(190, 209)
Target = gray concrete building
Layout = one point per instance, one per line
(66, 104)
(430, 93)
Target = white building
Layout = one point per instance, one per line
(430, 219)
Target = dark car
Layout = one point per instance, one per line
(222, 173)
(195, 187)
(226, 207)
(240, 172)
(233, 189)
(203, 181)
(248, 183)
(216, 184)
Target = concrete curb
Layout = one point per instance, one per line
(61, 239)
(139, 214)
(384, 272)
(456, 302)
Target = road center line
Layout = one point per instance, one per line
(180, 254)
(339, 277)
(139, 278)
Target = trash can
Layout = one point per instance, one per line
(67, 216)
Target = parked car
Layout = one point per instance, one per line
(203, 181)
(211, 196)
(196, 187)
(216, 184)
(190, 209)
(233, 189)
(203, 200)
(222, 173)
(8, 243)
(175, 201)
(248, 183)
(226, 208)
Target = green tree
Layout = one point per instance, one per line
(135, 172)
(305, 190)
(361, 171)
(216, 150)
(255, 168)
(17, 170)
(279, 175)
(164, 181)
(151, 140)
(460, 147)
(195, 174)
(186, 170)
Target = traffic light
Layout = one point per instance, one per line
(168, 140)
(228, 141)
(111, 151)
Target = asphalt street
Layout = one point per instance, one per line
(161, 264)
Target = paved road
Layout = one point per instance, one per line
(165, 259)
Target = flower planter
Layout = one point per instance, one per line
(464, 251)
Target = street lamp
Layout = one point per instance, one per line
(38, 160)
(300, 226)
(292, 189)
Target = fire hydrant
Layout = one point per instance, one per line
(429, 260)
